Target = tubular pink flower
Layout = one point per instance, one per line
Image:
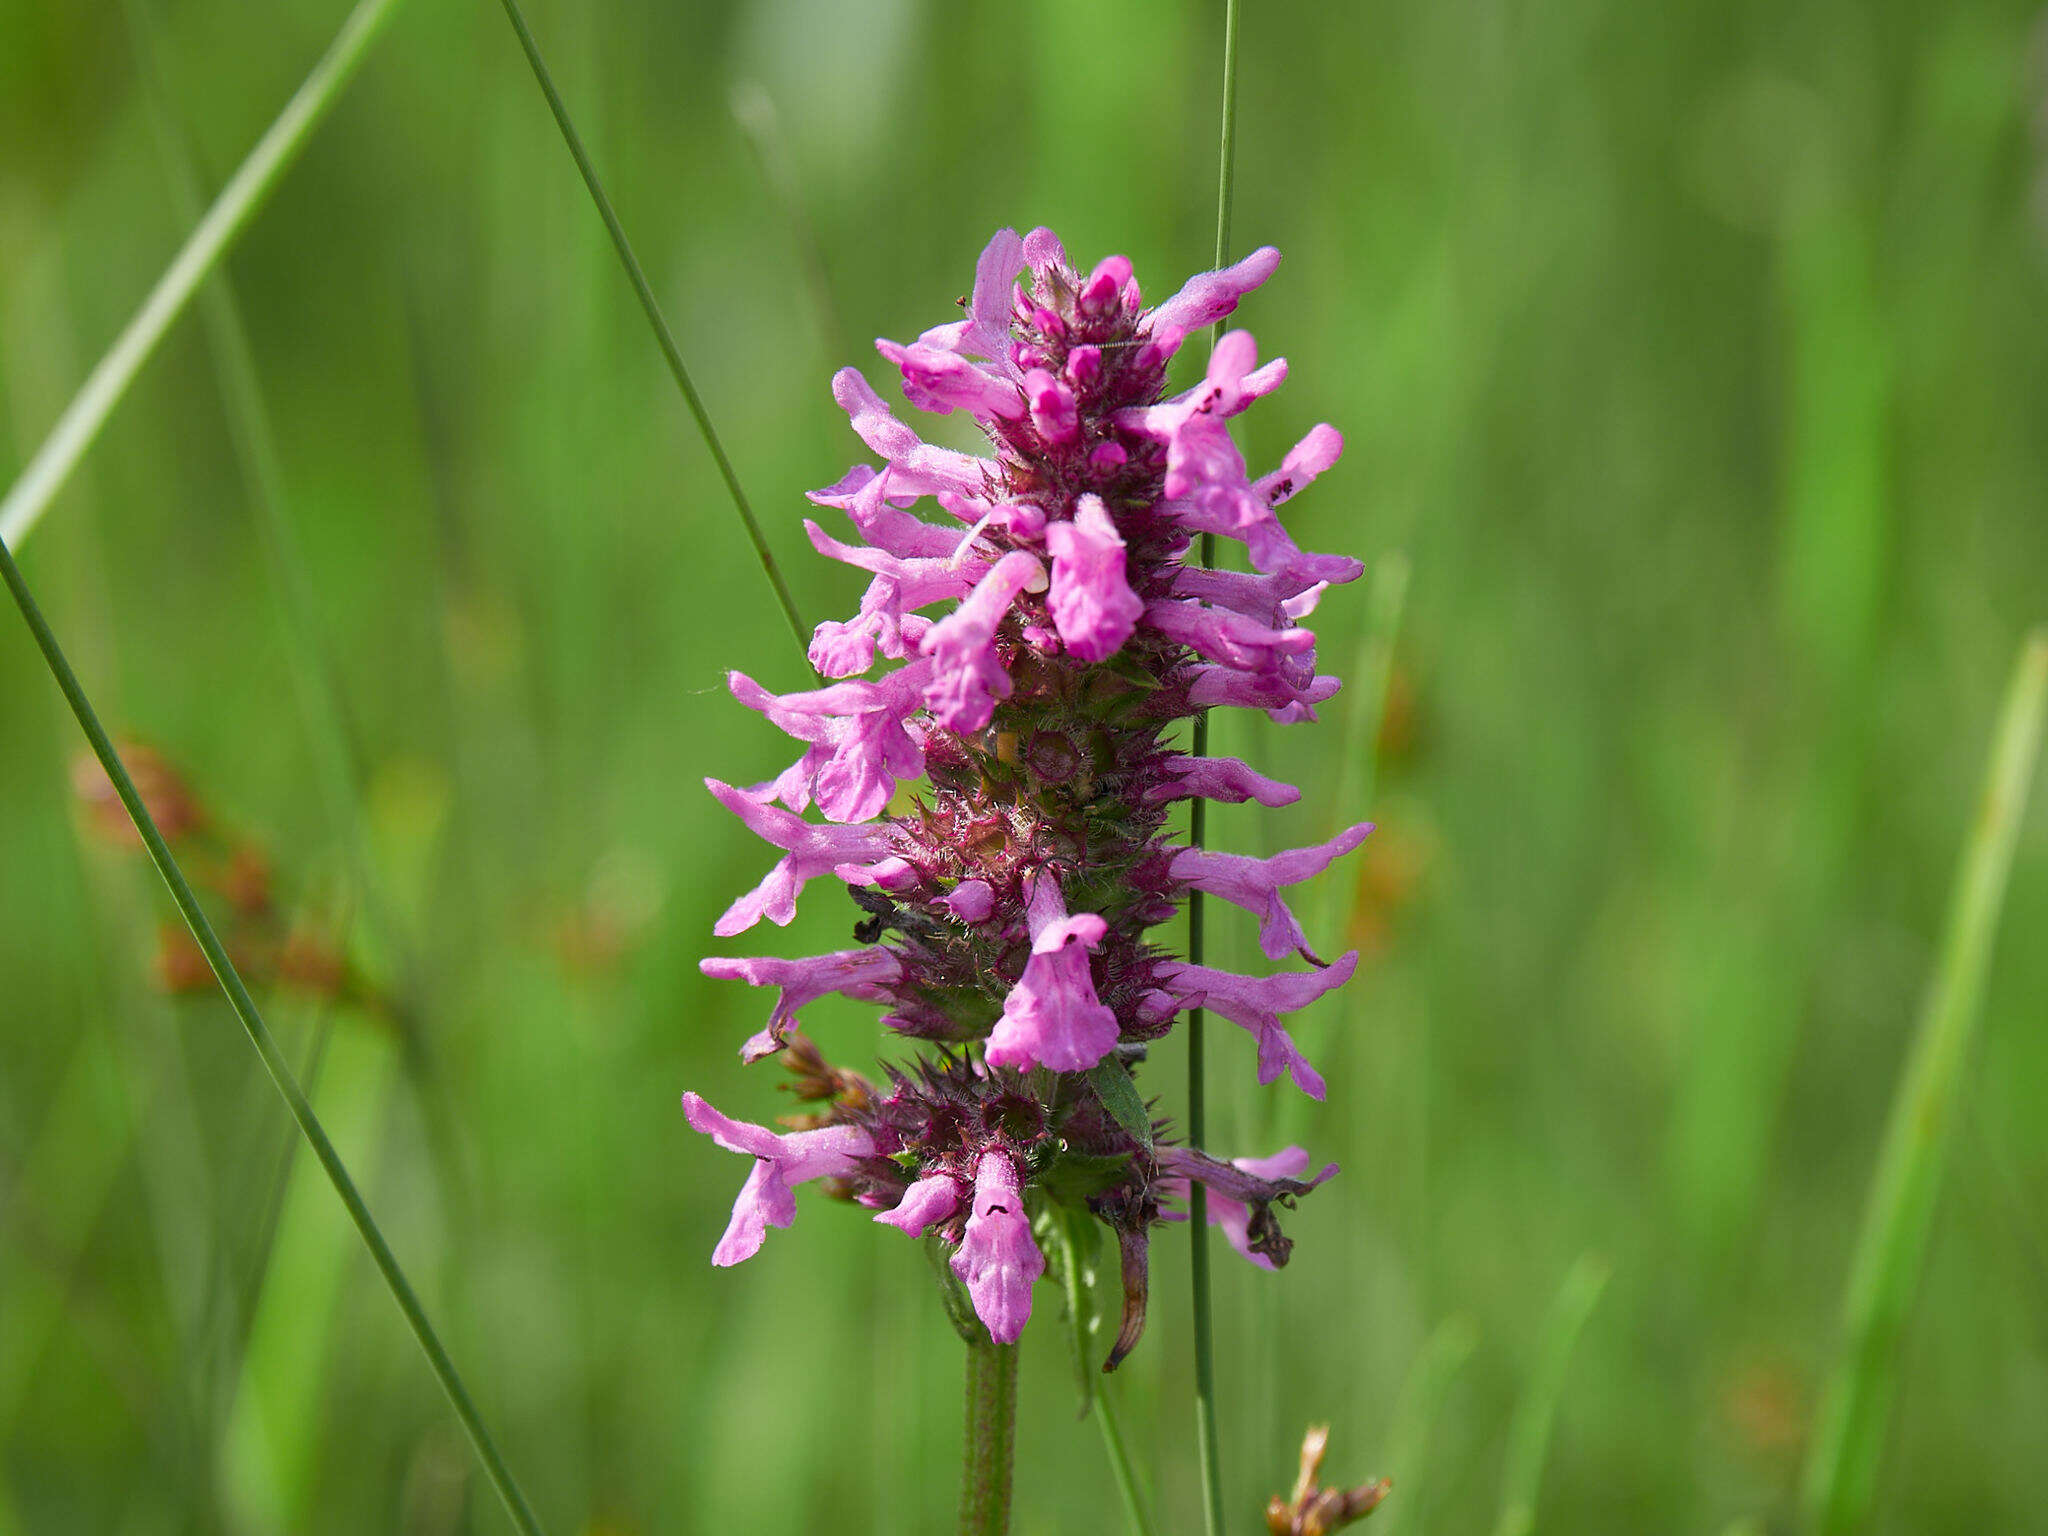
(1208, 298)
(1255, 1003)
(808, 851)
(859, 744)
(931, 1200)
(861, 973)
(1285, 702)
(985, 333)
(765, 1199)
(970, 901)
(1052, 408)
(1255, 884)
(997, 1260)
(1093, 606)
(1052, 1017)
(967, 678)
(917, 468)
(1228, 637)
(1220, 778)
(1242, 1192)
(942, 382)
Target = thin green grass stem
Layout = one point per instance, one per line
(246, 192)
(1529, 1432)
(662, 335)
(1207, 1448)
(266, 1048)
(1841, 1469)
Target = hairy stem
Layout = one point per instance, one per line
(990, 1434)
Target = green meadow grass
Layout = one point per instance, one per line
(1687, 362)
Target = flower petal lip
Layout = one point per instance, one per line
(997, 1259)
(766, 1200)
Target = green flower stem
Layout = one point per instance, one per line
(662, 335)
(1841, 1469)
(245, 193)
(1206, 1441)
(266, 1048)
(991, 1435)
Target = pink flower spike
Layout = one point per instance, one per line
(1052, 1017)
(997, 1260)
(862, 973)
(765, 1199)
(1221, 778)
(1209, 297)
(808, 851)
(1255, 884)
(1255, 1003)
(931, 1200)
(1092, 603)
(966, 677)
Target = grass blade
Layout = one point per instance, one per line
(1529, 1434)
(1207, 1450)
(211, 238)
(1436, 1365)
(1842, 1467)
(266, 1048)
(666, 338)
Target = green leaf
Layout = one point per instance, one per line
(1111, 1080)
(1073, 1176)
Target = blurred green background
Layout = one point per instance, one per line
(1690, 355)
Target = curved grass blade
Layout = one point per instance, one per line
(1436, 1365)
(246, 192)
(1529, 1434)
(266, 1048)
(1842, 1466)
(662, 335)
